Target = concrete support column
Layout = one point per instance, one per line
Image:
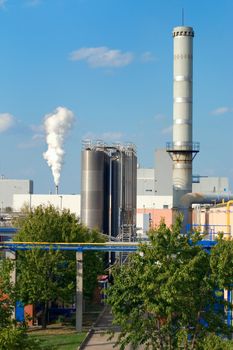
(79, 291)
(12, 256)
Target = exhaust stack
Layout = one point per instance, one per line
(56, 191)
(182, 150)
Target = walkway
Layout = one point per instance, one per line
(98, 338)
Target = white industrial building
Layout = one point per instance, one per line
(59, 201)
(154, 191)
(9, 187)
(154, 194)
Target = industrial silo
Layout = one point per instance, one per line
(129, 184)
(115, 193)
(108, 194)
(93, 187)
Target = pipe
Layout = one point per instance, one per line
(203, 198)
(228, 217)
(229, 311)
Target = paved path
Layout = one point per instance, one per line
(99, 339)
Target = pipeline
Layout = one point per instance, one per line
(204, 198)
(199, 198)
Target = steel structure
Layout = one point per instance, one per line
(108, 190)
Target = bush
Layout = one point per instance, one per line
(213, 342)
(15, 338)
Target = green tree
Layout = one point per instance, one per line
(45, 276)
(222, 263)
(13, 336)
(7, 294)
(166, 296)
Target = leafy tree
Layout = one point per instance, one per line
(15, 338)
(222, 263)
(7, 297)
(12, 335)
(214, 342)
(166, 296)
(45, 276)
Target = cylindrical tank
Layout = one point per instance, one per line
(123, 190)
(182, 115)
(115, 193)
(107, 190)
(134, 194)
(128, 215)
(92, 188)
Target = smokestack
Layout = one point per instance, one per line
(56, 189)
(182, 149)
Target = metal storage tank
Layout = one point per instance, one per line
(115, 194)
(134, 192)
(92, 188)
(107, 184)
(108, 194)
(130, 187)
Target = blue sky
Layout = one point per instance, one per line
(110, 63)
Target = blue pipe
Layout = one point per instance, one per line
(78, 248)
(83, 247)
(229, 311)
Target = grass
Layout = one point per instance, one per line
(63, 336)
(65, 339)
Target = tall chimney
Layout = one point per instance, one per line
(56, 189)
(182, 149)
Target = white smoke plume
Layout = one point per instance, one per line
(56, 126)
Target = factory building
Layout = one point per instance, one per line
(60, 201)
(214, 219)
(151, 207)
(155, 191)
(109, 181)
(9, 187)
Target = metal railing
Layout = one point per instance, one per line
(183, 146)
(210, 232)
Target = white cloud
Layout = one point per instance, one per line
(32, 3)
(6, 121)
(167, 130)
(159, 116)
(37, 128)
(36, 139)
(147, 57)
(102, 57)
(221, 110)
(38, 131)
(3, 3)
(110, 136)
